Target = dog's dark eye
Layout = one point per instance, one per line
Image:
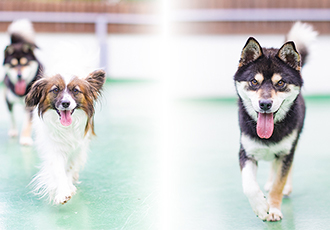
(75, 91)
(56, 90)
(254, 82)
(280, 84)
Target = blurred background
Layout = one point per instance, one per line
(204, 42)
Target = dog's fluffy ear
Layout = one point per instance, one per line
(36, 93)
(251, 52)
(289, 54)
(96, 80)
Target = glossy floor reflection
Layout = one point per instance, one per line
(123, 181)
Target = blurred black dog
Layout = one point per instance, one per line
(22, 69)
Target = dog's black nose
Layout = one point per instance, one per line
(65, 104)
(265, 104)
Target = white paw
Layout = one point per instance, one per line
(287, 190)
(13, 133)
(274, 214)
(26, 141)
(64, 197)
(259, 205)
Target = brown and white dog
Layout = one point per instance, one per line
(63, 126)
(22, 70)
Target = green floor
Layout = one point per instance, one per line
(173, 167)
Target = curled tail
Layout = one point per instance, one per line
(302, 34)
(21, 31)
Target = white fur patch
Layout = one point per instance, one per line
(63, 151)
(282, 101)
(68, 97)
(28, 72)
(259, 151)
(252, 190)
(248, 97)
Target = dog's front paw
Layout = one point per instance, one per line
(62, 199)
(26, 141)
(12, 133)
(259, 205)
(274, 214)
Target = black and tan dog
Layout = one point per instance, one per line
(271, 115)
(22, 70)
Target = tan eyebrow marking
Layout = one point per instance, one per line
(259, 77)
(14, 61)
(276, 77)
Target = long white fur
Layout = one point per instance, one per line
(24, 28)
(63, 152)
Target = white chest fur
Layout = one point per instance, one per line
(259, 151)
(51, 134)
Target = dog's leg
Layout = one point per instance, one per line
(288, 186)
(252, 190)
(52, 178)
(276, 192)
(76, 163)
(13, 132)
(270, 180)
(25, 138)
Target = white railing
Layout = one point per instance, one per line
(101, 20)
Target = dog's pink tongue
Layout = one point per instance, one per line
(265, 125)
(20, 87)
(66, 119)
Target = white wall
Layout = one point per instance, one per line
(198, 66)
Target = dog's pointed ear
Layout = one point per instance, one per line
(96, 80)
(36, 93)
(251, 52)
(289, 54)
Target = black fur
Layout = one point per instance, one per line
(267, 62)
(11, 86)
(18, 49)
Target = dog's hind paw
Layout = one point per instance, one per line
(274, 215)
(287, 190)
(268, 186)
(13, 133)
(26, 141)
